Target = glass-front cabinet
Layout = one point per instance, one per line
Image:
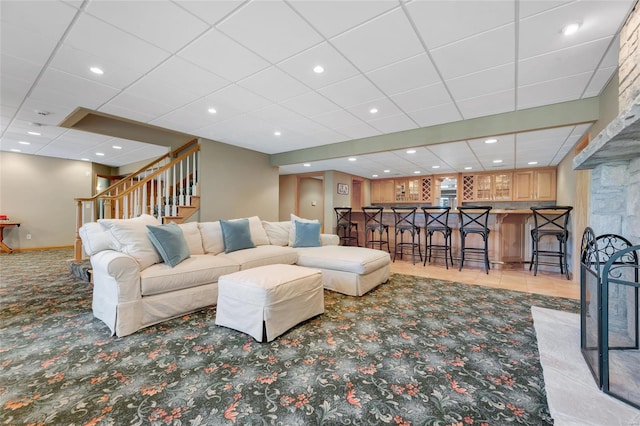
(488, 187)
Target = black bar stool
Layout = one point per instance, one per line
(474, 220)
(405, 221)
(372, 224)
(550, 221)
(344, 223)
(436, 220)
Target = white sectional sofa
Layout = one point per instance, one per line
(135, 284)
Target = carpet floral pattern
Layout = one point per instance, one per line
(413, 351)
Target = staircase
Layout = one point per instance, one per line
(167, 188)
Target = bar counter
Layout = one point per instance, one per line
(507, 238)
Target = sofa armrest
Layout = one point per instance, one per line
(116, 276)
(329, 240)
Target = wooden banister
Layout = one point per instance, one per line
(130, 193)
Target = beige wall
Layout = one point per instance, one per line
(38, 192)
(311, 198)
(236, 182)
(288, 191)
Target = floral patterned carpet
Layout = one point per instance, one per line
(413, 351)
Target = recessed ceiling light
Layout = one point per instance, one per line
(571, 29)
(531, 163)
(277, 133)
(34, 133)
(352, 159)
(318, 69)
(468, 168)
(373, 110)
(387, 171)
(491, 141)
(24, 143)
(116, 147)
(411, 151)
(15, 150)
(307, 165)
(416, 172)
(212, 111)
(96, 70)
(84, 159)
(374, 175)
(497, 161)
(435, 167)
(100, 154)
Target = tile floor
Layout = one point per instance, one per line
(515, 277)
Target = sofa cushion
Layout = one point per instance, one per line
(262, 255)
(278, 232)
(292, 230)
(358, 260)
(211, 232)
(191, 233)
(130, 236)
(194, 271)
(307, 234)
(170, 243)
(95, 239)
(258, 234)
(236, 235)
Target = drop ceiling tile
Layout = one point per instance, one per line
(383, 106)
(332, 17)
(542, 33)
(13, 90)
(358, 130)
(236, 100)
(337, 119)
(47, 19)
(393, 123)
(553, 91)
(484, 82)
(439, 114)
(352, 91)
(486, 50)
(271, 29)
(189, 118)
(55, 112)
(170, 29)
(20, 43)
(423, 97)
(209, 50)
(92, 35)
(63, 89)
(274, 85)
(132, 102)
(117, 73)
(178, 74)
(493, 103)
(562, 63)
(528, 8)
(310, 104)
(599, 81)
(405, 75)
(379, 42)
(336, 67)
(212, 12)
(434, 19)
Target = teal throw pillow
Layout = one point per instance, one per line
(236, 235)
(307, 234)
(170, 243)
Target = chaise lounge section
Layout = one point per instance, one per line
(135, 286)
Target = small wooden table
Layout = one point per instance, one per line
(6, 224)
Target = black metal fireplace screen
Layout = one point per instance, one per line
(609, 314)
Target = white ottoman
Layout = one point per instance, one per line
(346, 269)
(265, 302)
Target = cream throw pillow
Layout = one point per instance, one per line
(130, 236)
